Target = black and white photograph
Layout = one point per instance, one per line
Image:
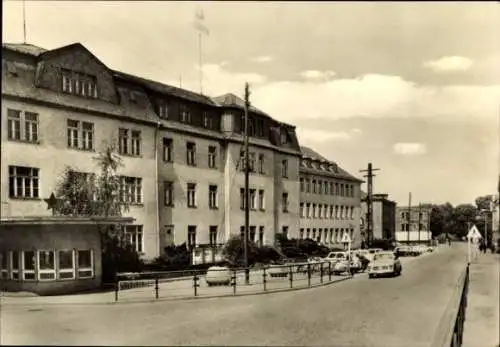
(250, 173)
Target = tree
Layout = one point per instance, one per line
(441, 221)
(463, 216)
(87, 195)
(233, 251)
(484, 202)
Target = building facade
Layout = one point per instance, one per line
(413, 224)
(384, 216)
(181, 151)
(330, 204)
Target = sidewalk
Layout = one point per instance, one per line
(482, 319)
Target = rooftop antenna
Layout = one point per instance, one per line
(24, 21)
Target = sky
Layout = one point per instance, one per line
(413, 88)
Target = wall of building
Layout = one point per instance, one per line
(408, 219)
(51, 156)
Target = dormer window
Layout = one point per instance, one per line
(79, 84)
(284, 136)
(208, 121)
(133, 97)
(162, 110)
(185, 114)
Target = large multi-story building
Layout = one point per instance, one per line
(384, 216)
(413, 224)
(329, 201)
(181, 151)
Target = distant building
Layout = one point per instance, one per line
(384, 216)
(413, 224)
(329, 201)
(496, 219)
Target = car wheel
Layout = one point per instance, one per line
(209, 284)
(370, 276)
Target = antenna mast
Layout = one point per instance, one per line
(24, 21)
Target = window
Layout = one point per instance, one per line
(162, 110)
(320, 233)
(4, 266)
(28, 265)
(213, 235)
(185, 114)
(14, 265)
(208, 121)
(260, 127)
(261, 163)
(46, 265)
(351, 234)
(284, 231)
(66, 261)
(325, 211)
(302, 185)
(212, 157)
(23, 182)
(337, 235)
(284, 168)
(252, 199)
(326, 187)
(136, 142)
(79, 84)
(342, 189)
(242, 198)
(308, 210)
(351, 212)
(262, 205)
(131, 190)
(314, 234)
(301, 234)
(341, 212)
(13, 124)
(332, 188)
(85, 263)
(251, 162)
(242, 232)
(336, 212)
(314, 210)
(123, 138)
(212, 196)
(261, 236)
(191, 195)
(30, 127)
(191, 153)
(284, 136)
(135, 237)
(314, 186)
(337, 190)
(191, 239)
(251, 234)
(87, 136)
(320, 211)
(330, 237)
(284, 202)
(301, 210)
(308, 233)
(168, 148)
(73, 126)
(331, 212)
(168, 188)
(320, 187)
(77, 129)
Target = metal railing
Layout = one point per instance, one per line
(225, 281)
(451, 328)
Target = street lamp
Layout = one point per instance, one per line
(485, 212)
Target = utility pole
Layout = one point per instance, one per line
(369, 202)
(409, 218)
(419, 219)
(247, 191)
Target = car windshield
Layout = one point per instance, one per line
(383, 256)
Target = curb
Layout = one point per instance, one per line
(182, 298)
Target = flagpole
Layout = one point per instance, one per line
(200, 61)
(24, 21)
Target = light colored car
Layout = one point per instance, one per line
(218, 275)
(278, 270)
(343, 263)
(384, 264)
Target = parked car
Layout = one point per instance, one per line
(343, 263)
(385, 264)
(278, 270)
(405, 251)
(218, 275)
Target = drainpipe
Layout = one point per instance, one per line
(157, 196)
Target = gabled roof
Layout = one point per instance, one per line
(165, 88)
(308, 153)
(52, 52)
(231, 100)
(25, 48)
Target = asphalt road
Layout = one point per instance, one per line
(401, 311)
